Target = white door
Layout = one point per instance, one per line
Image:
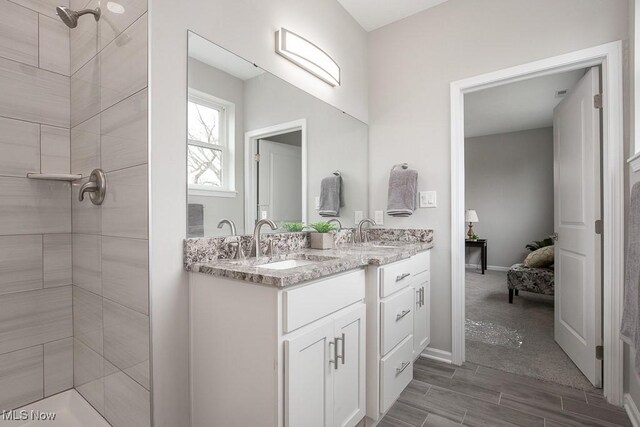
(349, 373)
(578, 316)
(309, 377)
(280, 182)
(420, 317)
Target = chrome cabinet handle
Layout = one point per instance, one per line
(335, 354)
(402, 368)
(402, 314)
(419, 297)
(422, 296)
(342, 341)
(402, 276)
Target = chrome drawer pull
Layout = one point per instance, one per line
(402, 368)
(421, 296)
(402, 276)
(333, 361)
(404, 313)
(341, 357)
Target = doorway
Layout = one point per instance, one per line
(276, 159)
(609, 58)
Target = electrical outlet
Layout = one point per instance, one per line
(358, 216)
(318, 203)
(379, 217)
(428, 199)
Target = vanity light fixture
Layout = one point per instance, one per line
(307, 55)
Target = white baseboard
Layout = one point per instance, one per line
(632, 410)
(489, 267)
(439, 355)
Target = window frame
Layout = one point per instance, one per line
(226, 114)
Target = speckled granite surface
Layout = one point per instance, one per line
(212, 256)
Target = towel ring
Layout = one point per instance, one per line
(337, 173)
(402, 165)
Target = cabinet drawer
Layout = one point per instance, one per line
(396, 372)
(396, 276)
(306, 304)
(421, 262)
(396, 313)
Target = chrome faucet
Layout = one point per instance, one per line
(363, 237)
(336, 220)
(255, 243)
(232, 225)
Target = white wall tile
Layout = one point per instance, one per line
(84, 38)
(19, 147)
(34, 317)
(46, 7)
(126, 403)
(85, 146)
(20, 377)
(85, 92)
(54, 45)
(124, 64)
(58, 366)
(125, 272)
(124, 133)
(20, 263)
(87, 270)
(124, 211)
(57, 260)
(34, 207)
(115, 23)
(19, 35)
(87, 318)
(55, 148)
(126, 340)
(33, 94)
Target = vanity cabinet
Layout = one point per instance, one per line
(269, 356)
(324, 372)
(398, 328)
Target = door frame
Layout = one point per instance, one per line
(609, 57)
(250, 189)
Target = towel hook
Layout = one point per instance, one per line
(337, 173)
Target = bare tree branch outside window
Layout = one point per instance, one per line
(205, 164)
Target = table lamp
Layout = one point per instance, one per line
(470, 216)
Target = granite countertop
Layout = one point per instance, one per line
(348, 256)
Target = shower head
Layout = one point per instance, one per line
(70, 17)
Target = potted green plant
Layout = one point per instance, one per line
(293, 227)
(321, 238)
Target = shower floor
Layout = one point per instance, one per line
(69, 408)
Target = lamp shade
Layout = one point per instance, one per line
(471, 216)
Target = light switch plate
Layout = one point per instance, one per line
(358, 216)
(428, 199)
(379, 217)
(318, 203)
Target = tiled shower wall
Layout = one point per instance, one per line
(110, 242)
(36, 344)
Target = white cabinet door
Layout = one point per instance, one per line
(309, 377)
(421, 331)
(349, 373)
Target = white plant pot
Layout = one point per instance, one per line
(321, 241)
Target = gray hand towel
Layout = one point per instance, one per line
(195, 220)
(630, 328)
(403, 185)
(331, 197)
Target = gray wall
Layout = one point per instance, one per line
(208, 79)
(410, 94)
(509, 183)
(36, 345)
(110, 242)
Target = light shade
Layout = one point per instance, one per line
(307, 55)
(471, 216)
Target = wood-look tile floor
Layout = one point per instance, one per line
(443, 395)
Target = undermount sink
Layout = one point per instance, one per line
(287, 264)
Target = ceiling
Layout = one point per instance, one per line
(372, 14)
(513, 107)
(211, 54)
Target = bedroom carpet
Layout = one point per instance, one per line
(518, 337)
